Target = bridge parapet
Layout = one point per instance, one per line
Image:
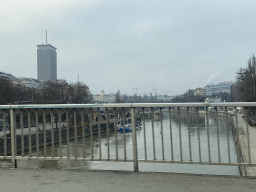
(44, 126)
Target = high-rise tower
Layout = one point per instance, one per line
(46, 62)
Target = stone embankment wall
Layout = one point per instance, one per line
(48, 137)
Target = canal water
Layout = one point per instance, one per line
(159, 167)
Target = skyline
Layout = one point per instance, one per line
(16, 79)
(164, 45)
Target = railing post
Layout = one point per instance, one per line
(134, 141)
(13, 142)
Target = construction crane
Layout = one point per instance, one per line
(169, 91)
(155, 90)
(136, 89)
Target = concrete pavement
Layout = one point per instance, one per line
(91, 181)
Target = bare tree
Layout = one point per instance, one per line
(246, 81)
(246, 85)
(6, 92)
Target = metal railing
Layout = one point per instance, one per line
(47, 127)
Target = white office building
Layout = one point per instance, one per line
(46, 63)
(210, 90)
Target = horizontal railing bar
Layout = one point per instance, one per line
(197, 162)
(224, 104)
(5, 157)
(68, 158)
(128, 160)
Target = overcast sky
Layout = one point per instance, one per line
(165, 45)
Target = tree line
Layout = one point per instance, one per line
(189, 96)
(59, 92)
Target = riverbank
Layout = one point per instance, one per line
(243, 144)
(33, 129)
(58, 134)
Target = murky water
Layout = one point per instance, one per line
(161, 167)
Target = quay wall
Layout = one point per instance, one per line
(48, 137)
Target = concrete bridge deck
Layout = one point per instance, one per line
(91, 181)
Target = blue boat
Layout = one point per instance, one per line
(127, 130)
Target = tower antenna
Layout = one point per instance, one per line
(46, 36)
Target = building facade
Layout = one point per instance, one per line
(46, 63)
(8, 76)
(29, 82)
(222, 90)
(213, 99)
(210, 90)
(164, 98)
(104, 98)
(198, 92)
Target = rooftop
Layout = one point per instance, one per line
(46, 45)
